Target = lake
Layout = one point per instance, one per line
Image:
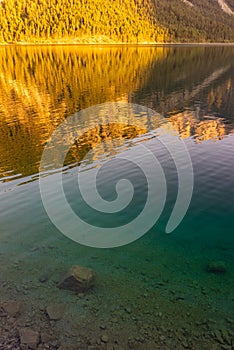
(133, 132)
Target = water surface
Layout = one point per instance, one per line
(158, 285)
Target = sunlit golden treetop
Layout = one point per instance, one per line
(110, 21)
(36, 20)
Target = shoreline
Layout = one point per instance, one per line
(101, 42)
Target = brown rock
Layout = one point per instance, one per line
(64, 347)
(104, 338)
(56, 311)
(216, 267)
(12, 308)
(40, 347)
(47, 338)
(29, 337)
(25, 347)
(78, 279)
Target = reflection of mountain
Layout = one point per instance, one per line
(181, 98)
(71, 78)
(111, 137)
(188, 124)
(188, 76)
(40, 87)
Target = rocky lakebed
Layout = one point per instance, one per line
(114, 299)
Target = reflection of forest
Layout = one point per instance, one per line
(188, 124)
(41, 86)
(110, 137)
(189, 76)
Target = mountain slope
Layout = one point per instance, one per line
(117, 20)
(225, 7)
(34, 20)
(203, 21)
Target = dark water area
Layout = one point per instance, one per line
(157, 292)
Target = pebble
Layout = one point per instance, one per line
(229, 320)
(110, 347)
(185, 345)
(64, 347)
(81, 295)
(226, 336)
(216, 267)
(218, 337)
(104, 338)
(226, 347)
(47, 338)
(43, 278)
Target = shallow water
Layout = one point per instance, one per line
(160, 280)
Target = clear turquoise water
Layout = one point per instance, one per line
(161, 278)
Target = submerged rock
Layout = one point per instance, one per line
(64, 347)
(216, 267)
(104, 338)
(79, 279)
(56, 311)
(47, 338)
(12, 308)
(29, 337)
(43, 278)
